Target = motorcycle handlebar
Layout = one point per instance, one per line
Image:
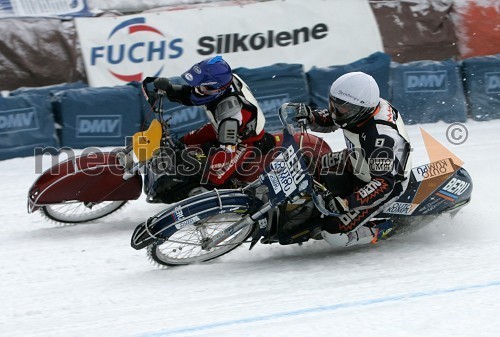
(151, 96)
(148, 95)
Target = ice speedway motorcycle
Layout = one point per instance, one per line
(211, 224)
(93, 185)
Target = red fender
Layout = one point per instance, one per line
(93, 177)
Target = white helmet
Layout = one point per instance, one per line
(353, 97)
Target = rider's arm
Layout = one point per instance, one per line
(379, 153)
(321, 121)
(175, 92)
(229, 118)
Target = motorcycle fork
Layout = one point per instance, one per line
(246, 221)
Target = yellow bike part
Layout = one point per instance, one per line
(147, 143)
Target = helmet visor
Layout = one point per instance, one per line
(208, 90)
(341, 110)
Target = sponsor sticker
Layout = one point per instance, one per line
(187, 222)
(381, 164)
(456, 186)
(403, 208)
(178, 213)
(274, 182)
(288, 171)
(433, 170)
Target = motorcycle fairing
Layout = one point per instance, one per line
(437, 197)
(147, 143)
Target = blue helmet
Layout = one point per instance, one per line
(209, 78)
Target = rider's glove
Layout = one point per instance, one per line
(302, 113)
(163, 83)
(153, 96)
(338, 205)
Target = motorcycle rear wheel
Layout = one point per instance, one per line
(78, 212)
(184, 246)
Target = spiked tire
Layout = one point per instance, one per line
(78, 212)
(184, 246)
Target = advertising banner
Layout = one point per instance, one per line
(43, 8)
(117, 50)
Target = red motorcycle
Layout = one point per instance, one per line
(91, 186)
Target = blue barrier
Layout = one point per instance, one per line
(98, 116)
(47, 90)
(424, 91)
(320, 79)
(26, 122)
(428, 91)
(482, 86)
(274, 85)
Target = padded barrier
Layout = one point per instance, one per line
(26, 122)
(98, 116)
(482, 86)
(428, 91)
(47, 90)
(320, 79)
(274, 85)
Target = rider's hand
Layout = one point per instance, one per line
(302, 113)
(153, 96)
(163, 83)
(338, 205)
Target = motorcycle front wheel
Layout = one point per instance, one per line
(78, 212)
(185, 245)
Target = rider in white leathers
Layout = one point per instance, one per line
(374, 169)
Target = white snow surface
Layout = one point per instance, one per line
(86, 280)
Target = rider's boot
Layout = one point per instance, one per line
(362, 235)
(368, 233)
(371, 232)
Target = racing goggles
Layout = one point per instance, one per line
(205, 90)
(342, 110)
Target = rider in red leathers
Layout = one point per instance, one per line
(236, 120)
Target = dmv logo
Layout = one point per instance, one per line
(492, 81)
(98, 126)
(424, 81)
(18, 120)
